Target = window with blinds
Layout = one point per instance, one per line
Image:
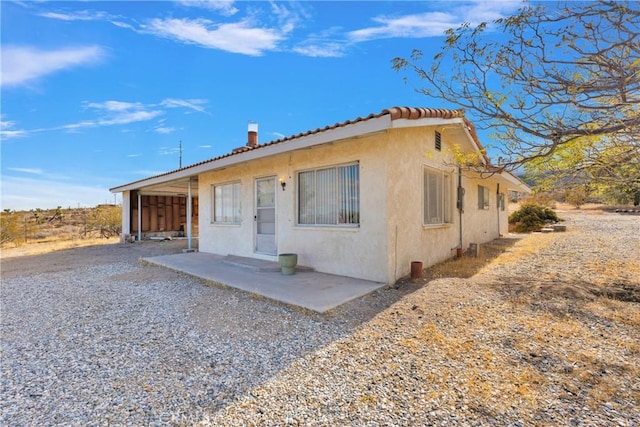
(437, 197)
(329, 196)
(226, 203)
(483, 197)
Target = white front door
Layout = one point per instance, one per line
(266, 216)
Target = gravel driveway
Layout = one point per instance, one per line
(90, 337)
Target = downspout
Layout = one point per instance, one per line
(460, 211)
(139, 216)
(498, 207)
(189, 217)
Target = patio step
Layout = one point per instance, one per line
(256, 264)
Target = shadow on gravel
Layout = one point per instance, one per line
(540, 289)
(159, 344)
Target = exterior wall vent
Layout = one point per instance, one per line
(438, 141)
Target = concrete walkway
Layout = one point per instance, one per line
(309, 289)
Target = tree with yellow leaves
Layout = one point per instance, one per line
(555, 82)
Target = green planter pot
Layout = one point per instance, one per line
(288, 263)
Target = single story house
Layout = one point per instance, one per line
(363, 198)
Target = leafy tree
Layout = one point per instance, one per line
(612, 170)
(560, 75)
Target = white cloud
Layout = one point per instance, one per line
(7, 131)
(226, 8)
(430, 24)
(21, 65)
(204, 146)
(112, 113)
(31, 193)
(321, 49)
(239, 37)
(134, 155)
(433, 24)
(194, 104)
(164, 130)
(123, 25)
(490, 10)
(8, 134)
(122, 118)
(115, 113)
(115, 105)
(33, 171)
(81, 15)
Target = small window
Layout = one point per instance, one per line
(437, 193)
(329, 196)
(483, 197)
(226, 203)
(438, 141)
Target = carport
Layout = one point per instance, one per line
(157, 207)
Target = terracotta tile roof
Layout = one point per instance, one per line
(410, 113)
(421, 113)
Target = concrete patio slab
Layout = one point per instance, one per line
(309, 289)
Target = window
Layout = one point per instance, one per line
(329, 196)
(437, 193)
(226, 203)
(483, 197)
(438, 141)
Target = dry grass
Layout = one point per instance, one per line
(37, 248)
(538, 344)
(503, 250)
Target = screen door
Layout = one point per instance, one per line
(266, 216)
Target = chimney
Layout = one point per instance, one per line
(252, 137)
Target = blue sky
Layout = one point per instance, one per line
(99, 94)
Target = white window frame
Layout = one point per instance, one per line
(483, 197)
(334, 209)
(439, 180)
(232, 214)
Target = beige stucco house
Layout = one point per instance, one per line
(363, 198)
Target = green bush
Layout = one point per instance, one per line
(532, 217)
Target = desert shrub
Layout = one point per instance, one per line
(545, 199)
(531, 217)
(107, 220)
(10, 226)
(577, 196)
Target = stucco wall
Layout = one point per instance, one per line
(391, 233)
(410, 240)
(411, 150)
(355, 252)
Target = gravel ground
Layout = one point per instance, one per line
(90, 337)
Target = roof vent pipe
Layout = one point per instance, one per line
(252, 137)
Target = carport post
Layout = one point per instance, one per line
(139, 216)
(189, 217)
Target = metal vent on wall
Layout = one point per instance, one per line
(438, 141)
